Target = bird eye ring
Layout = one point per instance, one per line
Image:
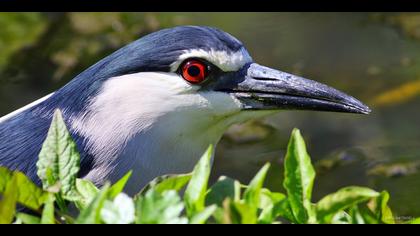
(194, 71)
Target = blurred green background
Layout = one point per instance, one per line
(372, 56)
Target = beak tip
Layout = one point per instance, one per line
(363, 109)
(366, 111)
(356, 105)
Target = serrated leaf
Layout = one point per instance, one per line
(119, 211)
(342, 199)
(59, 159)
(159, 208)
(299, 178)
(197, 187)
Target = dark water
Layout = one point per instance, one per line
(374, 57)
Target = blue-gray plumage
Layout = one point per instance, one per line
(155, 105)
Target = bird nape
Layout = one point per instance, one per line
(156, 104)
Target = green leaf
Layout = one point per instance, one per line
(228, 214)
(119, 211)
(341, 217)
(380, 207)
(341, 200)
(368, 216)
(252, 194)
(268, 201)
(224, 188)
(59, 160)
(299, 178)
(92, 213)
(415, 221)
(118, 187)
(87, 192)
(28, 194)
(5, 177)
(356, 215)
(278, 209)
(28, 219)
(203, 216)
(48, 211)
(159, 208)
(197, 187)
(168, 182)
(244, 213)
(8, 202)
(269, 198)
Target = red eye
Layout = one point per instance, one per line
(194, 71)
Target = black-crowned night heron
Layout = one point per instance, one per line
(155, 105)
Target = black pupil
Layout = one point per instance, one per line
(193, 71)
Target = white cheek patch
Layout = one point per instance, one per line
(129, 104)
(112, 116)
(222, 59)
(134, 116)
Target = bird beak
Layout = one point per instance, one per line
(262, 88)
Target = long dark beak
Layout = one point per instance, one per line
(262, 88)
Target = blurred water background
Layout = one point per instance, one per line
(372, 56)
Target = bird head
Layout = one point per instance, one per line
(201, 76)
(156, 104)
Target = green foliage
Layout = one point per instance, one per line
(8, 203)
(299, 176)
(119, 211)
(59, 160)
(16, 184)
(227, 201)
(197, 187)
(22, 218)
(48, 211)
(344, 198)
(159, 208)
(163, 183)
(92, 213)
(87, 192)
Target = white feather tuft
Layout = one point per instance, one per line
(222, 59)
